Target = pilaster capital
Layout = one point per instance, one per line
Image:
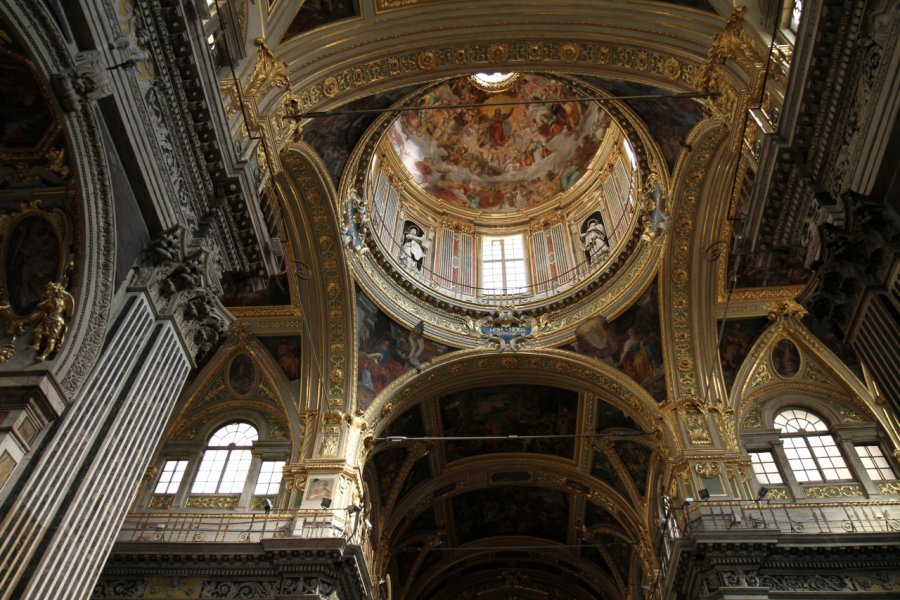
(176, 272)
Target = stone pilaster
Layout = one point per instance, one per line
(59, 524)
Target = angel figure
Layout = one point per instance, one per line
(51, 315)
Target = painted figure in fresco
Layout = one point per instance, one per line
(499, 129)
(289, 358)
(379, 368)
(735, 345)
(594, 241)
(412, 252)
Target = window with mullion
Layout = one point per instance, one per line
(765, 467)
(875, 462)
(226, 461)
(503, 265)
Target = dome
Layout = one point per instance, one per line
(499, 151)
(508, 190)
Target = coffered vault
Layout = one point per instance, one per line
(444, 299)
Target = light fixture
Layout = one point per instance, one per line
(704, 494)
(326, 502)
(763, 492)
(267, 505)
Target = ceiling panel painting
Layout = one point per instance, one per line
(499, 157)
(738, 336)
(630, 343)
(334, 137)
(669, 120)
(386, 350)
(637, 459)
(285, 350)
(509, 510)
(420, 473)
(387, 467)
(315, 13)
(509, 410)
(408, 424)
(603, 470)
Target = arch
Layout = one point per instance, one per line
(94, 278)
(559, 368)
(328, 312)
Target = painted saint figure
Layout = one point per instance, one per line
(594, 241)
(412, 252)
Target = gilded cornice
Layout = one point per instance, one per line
(436, 62)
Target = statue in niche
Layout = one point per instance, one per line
(415, 245)
(357, 227)
(594, 241)
(657, 221)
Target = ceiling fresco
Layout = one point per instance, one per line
(511, 510)
(506, 410)
(315, 13)
(630, 342)
(335, 136)
(32, 146)
(386, 350)
(669, 120)
(738, 337)
(495, 157)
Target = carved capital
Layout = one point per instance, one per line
(175, 272)
(87, 80)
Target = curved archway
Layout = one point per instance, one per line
(483, 454)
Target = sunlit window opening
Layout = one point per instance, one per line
(765, 468)
(875, 463)
(225, 463)
(811, 457)
(269, 480)
(503, 265)
(171, 476)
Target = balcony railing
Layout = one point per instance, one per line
(185, 528)
(806, 519)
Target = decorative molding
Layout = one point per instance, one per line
(214, 502)
(834, 491)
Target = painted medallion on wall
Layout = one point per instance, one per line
(631, 343)
(786, 358)
(241, 374)
(499, 157)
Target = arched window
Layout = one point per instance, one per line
(809, 447)
(226, 460)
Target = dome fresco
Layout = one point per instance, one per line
(499, 157)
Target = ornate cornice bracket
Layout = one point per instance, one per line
(88, 79)
(174, 272)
